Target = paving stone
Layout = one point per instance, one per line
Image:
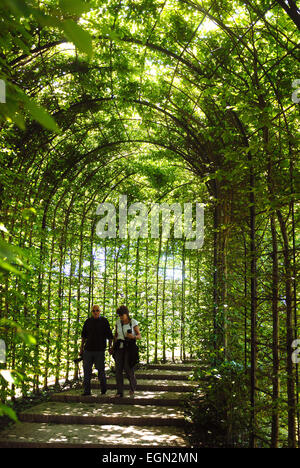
(174, 367)
(105, 413)
(159, 398)
(148, 374)
(160, 385)
(73, 435)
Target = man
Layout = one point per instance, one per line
(95, 332)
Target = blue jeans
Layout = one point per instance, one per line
(97, 358)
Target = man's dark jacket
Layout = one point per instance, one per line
(96, 332)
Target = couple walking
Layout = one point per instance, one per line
(122, 345)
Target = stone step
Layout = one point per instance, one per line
(153, 418)
(43, 435)
(156, 398)
(104, 414)
(161, 385)
(161, 375)
(173, 367)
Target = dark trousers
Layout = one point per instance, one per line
(90, 358)
(121, 360)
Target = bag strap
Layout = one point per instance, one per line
(122, 327)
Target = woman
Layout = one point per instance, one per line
(126, 333)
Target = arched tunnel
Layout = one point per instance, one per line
(179, 105)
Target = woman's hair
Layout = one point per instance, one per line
(123, 310)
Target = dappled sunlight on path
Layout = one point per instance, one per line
(153, 418)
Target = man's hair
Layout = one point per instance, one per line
(123, 310)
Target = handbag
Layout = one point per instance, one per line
(115, 348)
(132, 348)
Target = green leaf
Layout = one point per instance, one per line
(44, 20)
(40, 115)
(28, 339)
(12, 254)
(19, 121)
(74, 6)
(23, 334)
(15, 97)
(7, 411)
(28, 213)
(6, 267)
(78, 36)
(18, 6)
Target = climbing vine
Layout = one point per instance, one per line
(164, 102)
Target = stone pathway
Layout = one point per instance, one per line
(153, 418)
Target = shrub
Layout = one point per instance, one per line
(219, 407)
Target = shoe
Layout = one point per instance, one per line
(86, 394)
(131, 394)
(119, 395)
(103, 392)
